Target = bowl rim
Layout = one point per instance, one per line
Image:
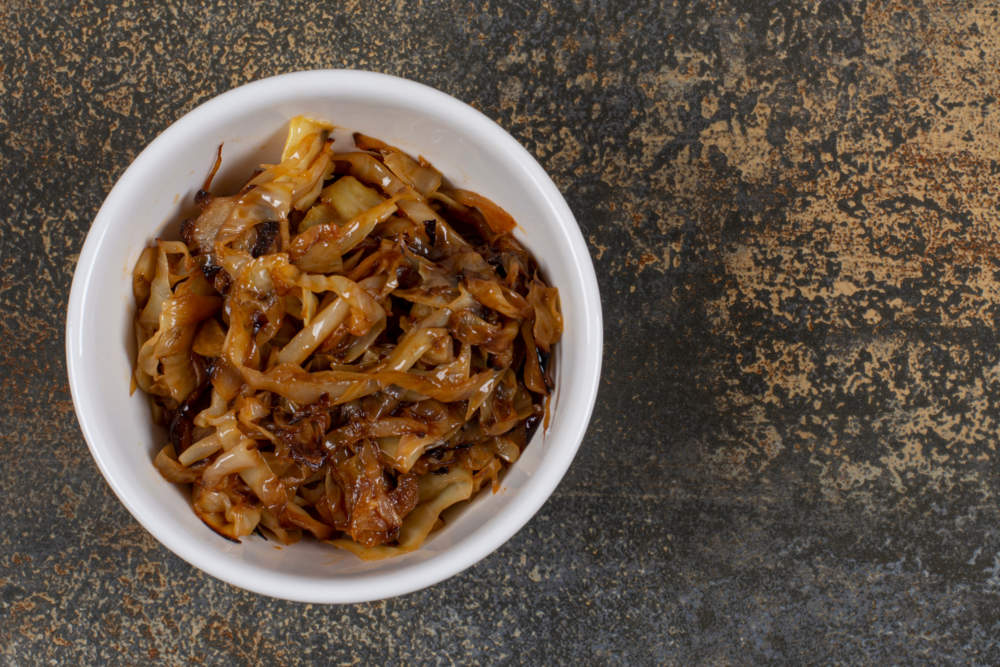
(466, 552)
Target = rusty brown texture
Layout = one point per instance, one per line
(792, 208)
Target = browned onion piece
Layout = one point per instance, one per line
(366, 143)
(369, 170)
(533, 378)
(142, 276)
(199, 233)
(498, 219)
(315, 248)
(498, 296)
(333, 357)
(166, 462)
(548, 320)
(374, 511)
(423, 179)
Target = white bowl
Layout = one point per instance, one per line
(251, 121)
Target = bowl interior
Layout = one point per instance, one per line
(151, 197)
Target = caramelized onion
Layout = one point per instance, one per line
(345, 348)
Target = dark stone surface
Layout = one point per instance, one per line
(792, 209)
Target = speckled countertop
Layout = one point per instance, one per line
(794, 213)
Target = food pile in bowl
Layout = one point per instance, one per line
(344, 348)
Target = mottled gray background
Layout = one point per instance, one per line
(792, 210)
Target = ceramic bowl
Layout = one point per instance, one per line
(147, 201)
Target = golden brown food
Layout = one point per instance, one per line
(347, 347)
